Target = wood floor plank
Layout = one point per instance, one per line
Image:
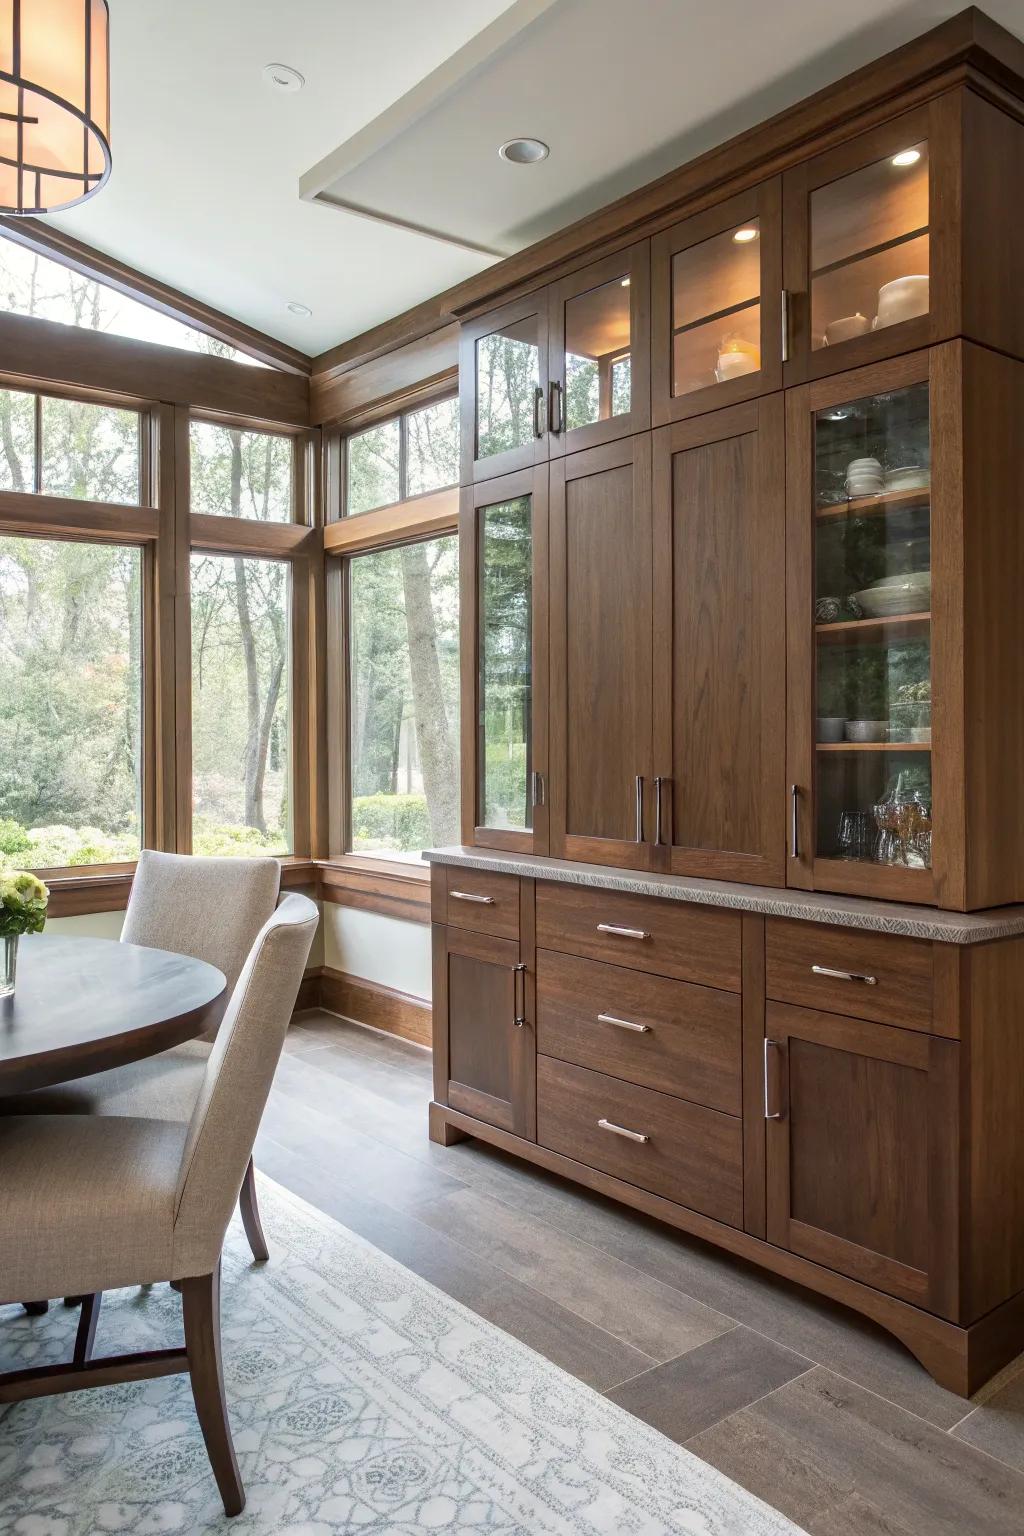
(642, 1312)
(687, 1395)
(587, 1352)
(997, 1424)
(841, 1461)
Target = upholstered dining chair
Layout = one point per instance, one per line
(211, 909)
(94, 1202)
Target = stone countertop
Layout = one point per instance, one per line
(810, 906)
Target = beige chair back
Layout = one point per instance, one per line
(211, 909)
(239, 1075)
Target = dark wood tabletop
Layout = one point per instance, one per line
(83, 1005)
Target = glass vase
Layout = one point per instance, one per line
(8, 963)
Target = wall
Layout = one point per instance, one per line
(90, 925)
(386, 950)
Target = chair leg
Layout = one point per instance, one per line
(200, 1302)
(251, 1216)
(36, 1308)
(86, 1335)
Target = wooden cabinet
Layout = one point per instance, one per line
(600, 655)
(716, 315)
(484, 1044)
(861, 1151)
(503, 579)
(503, 374)
(719, 627)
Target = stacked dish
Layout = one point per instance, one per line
(895, 595)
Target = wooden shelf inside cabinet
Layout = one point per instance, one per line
(872, 506)
(903, 626)
(873, 746)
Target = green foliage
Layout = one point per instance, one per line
(13, 838)
(23, 901)
(217, 840)
(397, 822)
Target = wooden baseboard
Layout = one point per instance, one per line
(367, 1002)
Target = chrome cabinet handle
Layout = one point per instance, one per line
(794, 825)
(519, 1008)
(538, 411)
(622, 933)
(639, 808)
(785, 325)
(826, 970)
(769, 1113)
(658, 782)
(555, 416)
(537, 788)
(485, 901)
(609, 1018)
(620, 1130)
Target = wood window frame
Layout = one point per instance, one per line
(413, 401)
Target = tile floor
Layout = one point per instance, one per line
(818, 1412)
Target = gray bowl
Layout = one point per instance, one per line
(830, 728)
(867, 730)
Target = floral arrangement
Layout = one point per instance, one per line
(23, 900)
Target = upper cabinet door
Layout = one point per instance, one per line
(871, 259)
(600, 381)
(716, 285)
(503, 564)
(601, 806)
(503, 387)
(720, 644)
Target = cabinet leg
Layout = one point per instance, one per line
(439, 1129)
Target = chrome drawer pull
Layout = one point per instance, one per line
(609, 1018)
(826, 970)
(485, 901)
(620, 1130)
(622, 933)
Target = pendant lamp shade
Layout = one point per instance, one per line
(54, 103)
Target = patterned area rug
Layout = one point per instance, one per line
(363, 1400)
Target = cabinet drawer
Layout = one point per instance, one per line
(692, 1155)
(670, 938)
(900, 993)
(482, 901)
(663, 1034)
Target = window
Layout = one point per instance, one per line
(241, 788)
(73, 448)
(70, 702)
(242, 474)
(35, 285)
(409, 455)
(404, 698)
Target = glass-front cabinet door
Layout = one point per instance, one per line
(861, 640)
(503, 386)
(599, 362)
(870, 258)
(717, 306)
(503, 573)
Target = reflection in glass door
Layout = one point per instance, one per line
(872, 628)
(505, 690)
(597, 355)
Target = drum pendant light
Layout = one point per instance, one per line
(54, 103)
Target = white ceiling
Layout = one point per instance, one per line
(207, 158)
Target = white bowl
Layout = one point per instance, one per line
(902, 299)
(896, 595)
(910, 478)
(846, 328)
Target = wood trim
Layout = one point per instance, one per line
(395, 378)
(391, 892)
(82, 894)
(79, 257)
(164, 617)
(38, 351)
(420, 517)
(369, 1002)
(753, 1032)
(61, 517)
(179, 559)
(249, 536)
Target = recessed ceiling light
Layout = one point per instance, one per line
(907, 157)
(744, 236)
(295, 308)
(281, 77)
(624, 283)
(523, 151)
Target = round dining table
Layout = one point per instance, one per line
(83, 1005)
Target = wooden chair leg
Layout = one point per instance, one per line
(200, 1303)
(86, 1335)
(36, 1308)
(251, 1216)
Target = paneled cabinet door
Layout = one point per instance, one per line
(716, 293)
(861, 1151)
(719, 644)
(503, 388)
(485, 1057)
(600, 647)
(872, 252)
(599, 364)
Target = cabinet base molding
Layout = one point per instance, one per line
(960, 1359)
